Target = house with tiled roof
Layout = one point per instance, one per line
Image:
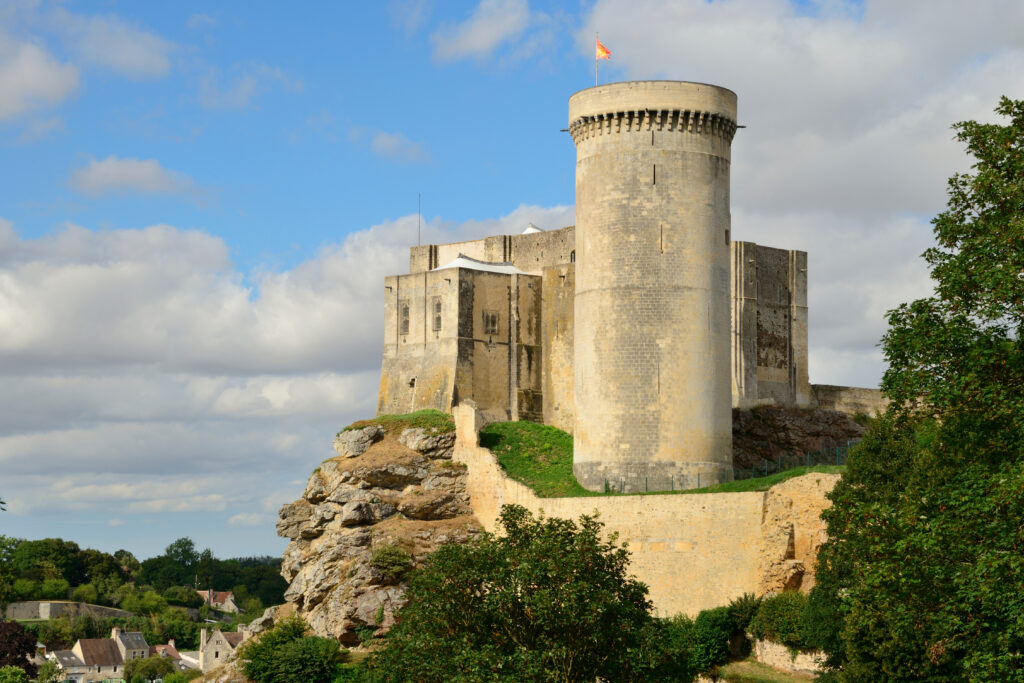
(220, 600)
(102, 659)
(69, 663)
(131, 644)
(169, 651)
(217, 647)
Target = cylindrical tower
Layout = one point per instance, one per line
(651, 357)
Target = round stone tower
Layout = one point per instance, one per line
(652, 339)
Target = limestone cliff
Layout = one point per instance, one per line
(384, 489)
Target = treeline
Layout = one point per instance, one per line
(55, 569)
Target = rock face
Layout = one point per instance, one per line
(769, 432)
(793, 532)
(402, 491)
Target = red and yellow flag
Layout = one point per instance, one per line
(602, 51)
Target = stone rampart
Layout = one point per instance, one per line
(694, 551)
(849, 400)
(51, 609)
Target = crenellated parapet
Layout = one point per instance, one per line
(643, 120)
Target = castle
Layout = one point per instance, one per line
(639, 328)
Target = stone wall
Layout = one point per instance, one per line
(530, 252)
(694, 551)
(559, 284)
(849, 400)
(51, 609)
(769, 326)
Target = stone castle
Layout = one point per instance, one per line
(639, 328)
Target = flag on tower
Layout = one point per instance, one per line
(602, 51)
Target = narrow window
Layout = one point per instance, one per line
(654, 175)
(572, 256)
(727, 237)
(490, 322)
(437, 314)
(403, 317)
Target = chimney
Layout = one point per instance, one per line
(115, 632)
(170, 641)
(202, 639)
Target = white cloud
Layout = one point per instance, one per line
(116, 175)
(115, 521)
(409, 15)
(152, 381)
(492, 24)
(201, 21)
(30, 78)
(242, 86)
(397, 147)
(247, 519)
(111, 43)
(39, 129)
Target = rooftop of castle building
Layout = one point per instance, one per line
(464, 261)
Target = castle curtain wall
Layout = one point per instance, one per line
(769, 326)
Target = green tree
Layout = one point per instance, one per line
(12, 674)
(548, 600)
(285, 654)
(49, 672)
(147, 669)
(922, 572)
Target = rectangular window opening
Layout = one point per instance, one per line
(403, 317)
(490, 322)
(654, 175)
(437, 314)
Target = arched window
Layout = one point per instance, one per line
(572, 256)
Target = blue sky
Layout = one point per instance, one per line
(199, 202)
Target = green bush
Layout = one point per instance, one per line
(285, 654)
(742, 611)
(780, 619)
(391, 560)
(13, 674)
(712, 630)
(183, 676)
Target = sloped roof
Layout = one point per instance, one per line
(167, 650)
(233, 637)
(530, 229)
(133, 640)
(100, 652)
(464, 261)
(67, 659)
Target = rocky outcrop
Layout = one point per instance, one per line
(770, 432)
(792, 532)
(400, 490)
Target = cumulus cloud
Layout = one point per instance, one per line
(242, 85)
(31, 78)
(110, 42)
(848, 145)
(153, 380)
(397, 147)
(116, 175)
(492, 24)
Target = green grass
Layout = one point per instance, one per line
(750, 671)
(434, 421)
(536, 455)
(541, 457)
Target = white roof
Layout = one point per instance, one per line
(464, 261)
(530, 229)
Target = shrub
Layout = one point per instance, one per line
(182, 676)
(285, 654)
(13, 674)
(391, 560)
(742, 611)
(780, 618)
(712, 630)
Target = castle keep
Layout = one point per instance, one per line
(639, 328)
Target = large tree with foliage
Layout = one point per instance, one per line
(549, 600)
(287, 654)
(16, 645)
(924, 569)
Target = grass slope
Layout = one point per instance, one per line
(541, 457)
(434, 421)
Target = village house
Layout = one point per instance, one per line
(223, 601)
(217, 647)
